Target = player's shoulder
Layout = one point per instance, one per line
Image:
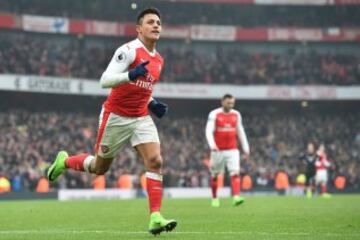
(236, 112)
(158, 55)
(128, 46)
(126, 52)
(215, 112)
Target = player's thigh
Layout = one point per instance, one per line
(310, 177)
(217, 162)
(321, 177)
(233, 161)
(144, 132)
(114, 132)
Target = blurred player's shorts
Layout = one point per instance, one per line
(321, 176)
(228, 158)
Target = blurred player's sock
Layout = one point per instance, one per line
(215, 202)
(308, 193)
(214, 186)
(323, 189)
(79, 162)
(159, 224)
(237, 200)
(58, 166)
(154, 189)
(235, 185)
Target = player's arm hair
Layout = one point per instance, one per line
(209, 131)
(117, 71)
(242, 136)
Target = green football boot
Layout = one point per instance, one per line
(159, 224)
(237, 200)
(58, 166)
(326, 195)
(215, 202)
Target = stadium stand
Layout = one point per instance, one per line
(30, 139)
(196, 13)
(28, 54)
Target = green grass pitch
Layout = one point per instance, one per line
(258, 218)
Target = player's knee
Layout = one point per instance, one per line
(214, 177)
(101, 170)
(234, 173)
(155, 162)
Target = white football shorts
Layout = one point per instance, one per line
(222, 158)
(321, 176)
(115, 131)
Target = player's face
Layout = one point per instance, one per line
(310, 148)
(150, 27)
(321, 148)
(228, 104)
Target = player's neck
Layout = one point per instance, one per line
(226, 110)
(148, 44)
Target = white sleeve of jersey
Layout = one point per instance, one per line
(210, 129)
(242, 135)
(116, 72)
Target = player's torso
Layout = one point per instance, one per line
(226, 130)
(131, 99)
(322, 163)
(310, 161)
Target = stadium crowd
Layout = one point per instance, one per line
(194, 13)
(23, 54)
(30, 140)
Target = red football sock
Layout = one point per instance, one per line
(323, 188)
(154, 188)
(235, 185)
(214, 186)
(76, 162)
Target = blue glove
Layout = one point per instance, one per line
(139, 70)
(158, 108)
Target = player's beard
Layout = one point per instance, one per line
(227, 109)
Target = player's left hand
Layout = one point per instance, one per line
(158, 108)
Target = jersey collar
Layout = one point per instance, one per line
(153, 53)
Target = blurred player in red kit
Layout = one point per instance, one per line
(223, 129)
(322, 164)
(131, 74)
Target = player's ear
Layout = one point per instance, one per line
(138, 28)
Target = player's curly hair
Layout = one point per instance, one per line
(151, 10)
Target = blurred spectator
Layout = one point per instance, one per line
(246, 15)
(23, 54)
(30, 140)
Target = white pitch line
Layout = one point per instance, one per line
(46, 232)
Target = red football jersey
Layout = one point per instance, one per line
(322, 162)
(131, 99)
(223, 130)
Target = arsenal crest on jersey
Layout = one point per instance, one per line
(105, 148)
